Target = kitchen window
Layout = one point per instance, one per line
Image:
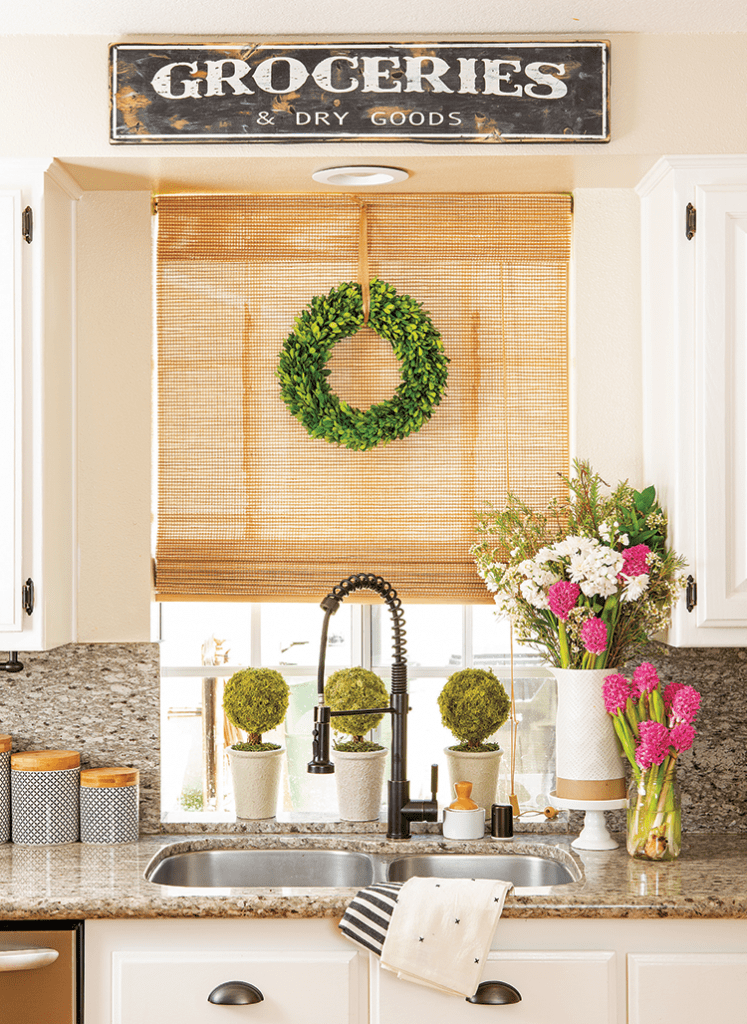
(441, 639)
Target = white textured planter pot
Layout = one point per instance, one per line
(588, 762)
(256, 780)
(359, 778)
(481, 769)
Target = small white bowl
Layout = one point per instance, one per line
(464, 824)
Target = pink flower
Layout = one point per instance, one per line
(645, 679)
(562, 597)
(594, 636)
(682, 736)
(685, 704)
(634, 561)
(616, 691)
(654, 745)
(669, 691)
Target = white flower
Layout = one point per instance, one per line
(533, 594)
(635, 587)
(595, 569)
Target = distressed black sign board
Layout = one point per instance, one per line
(452, 92)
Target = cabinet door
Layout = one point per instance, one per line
(689, 988)
(721, 405)
(10, 413)
(151, 987)
(562, 987)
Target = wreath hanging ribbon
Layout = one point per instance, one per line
(303, 373)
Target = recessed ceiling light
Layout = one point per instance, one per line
(357, 176)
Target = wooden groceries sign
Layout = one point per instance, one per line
(369, 92)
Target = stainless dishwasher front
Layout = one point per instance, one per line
(41, 972)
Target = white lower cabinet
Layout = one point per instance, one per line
(155, 972)
(577, 971)
(555, 986)
(666, 987)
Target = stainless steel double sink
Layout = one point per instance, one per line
(234, 868)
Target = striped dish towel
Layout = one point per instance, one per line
(366, 920)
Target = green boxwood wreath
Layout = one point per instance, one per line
(416, 343)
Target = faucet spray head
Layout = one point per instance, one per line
(320, 763)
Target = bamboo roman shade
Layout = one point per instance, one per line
(249, 505)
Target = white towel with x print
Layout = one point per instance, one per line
(441, 930)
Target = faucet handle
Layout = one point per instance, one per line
(434, 783)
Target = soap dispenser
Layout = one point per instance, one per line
(463, 819)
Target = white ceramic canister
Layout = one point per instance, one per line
(109, 799)
(466, 824)
(44, 788)
(5, 744)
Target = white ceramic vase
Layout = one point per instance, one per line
(588, 762)
(256, 781)
(481, 769)
(359, 777)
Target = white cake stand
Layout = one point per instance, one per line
(594, 835)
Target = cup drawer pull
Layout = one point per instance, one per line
(495, 993)
(235, 993)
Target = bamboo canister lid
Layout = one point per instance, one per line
(44, 760)
(6, 742)
(108, 778)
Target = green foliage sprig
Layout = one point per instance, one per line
(474, 704)
(255, 700)
(303, 373)
(351, 689)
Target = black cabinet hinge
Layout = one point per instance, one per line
(691, 593)
(27, 596)
(27, 224)
(691, 217)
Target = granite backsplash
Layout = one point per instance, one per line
(103, 700)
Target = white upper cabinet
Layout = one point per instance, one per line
(695, 382)
(11, 438)
(36, 402)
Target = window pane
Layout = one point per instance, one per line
(491, 640)
(307, 794)
(187, 626)
(536, 707)
(434, 635)
(291, 635)
(427, 738)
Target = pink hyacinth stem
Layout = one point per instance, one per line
(667, 784)
(632, 716)
(590, 660)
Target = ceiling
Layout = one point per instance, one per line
(249, 19)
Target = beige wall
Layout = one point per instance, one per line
(113, 416)
(671, 94)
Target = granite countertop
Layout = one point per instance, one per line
(708, 881)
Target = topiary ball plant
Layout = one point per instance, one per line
(350, 689)
(255, 700)
(474, 704)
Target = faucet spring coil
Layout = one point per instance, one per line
(369, 581)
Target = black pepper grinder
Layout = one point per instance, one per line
(502, 821)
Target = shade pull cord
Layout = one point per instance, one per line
(513, 798)
(363, 272)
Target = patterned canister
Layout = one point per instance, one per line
(109, 805)
(44, 788)
(5, 744)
